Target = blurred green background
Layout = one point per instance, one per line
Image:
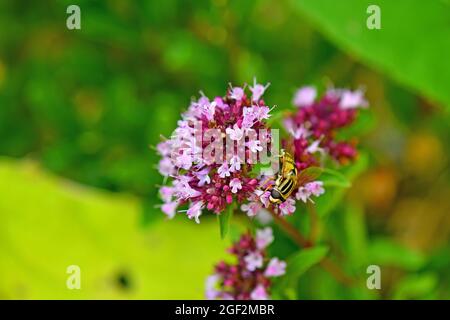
(80, 110)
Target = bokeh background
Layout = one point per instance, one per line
(80, 110)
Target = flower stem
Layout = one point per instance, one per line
(336, 272)
(291, 231)
(314, 222)
(326, 263)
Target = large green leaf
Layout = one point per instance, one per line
(329, 177)
(328, 201)
(305, 259)
(356, 234)
(416, 286)
(297, 265)
(412, 46)
(302, 261)
(333, 178)
(386, 252)
(48, 223)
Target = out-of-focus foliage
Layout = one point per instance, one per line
(48, 224)
(411, 46)
(86, 104)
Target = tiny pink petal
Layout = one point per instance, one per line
(275, 268)
(305, 96)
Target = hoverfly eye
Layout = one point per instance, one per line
(275, 194)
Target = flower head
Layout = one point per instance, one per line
(203, 176)
(250, 277)
(315, 124)
(312, 132)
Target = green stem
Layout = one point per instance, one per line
(291, 230)
(326, 263)
(314, 222)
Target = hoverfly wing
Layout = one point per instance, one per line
(308, 175)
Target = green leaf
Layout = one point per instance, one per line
(302, 261)
(309, 174)
(416, 286)
(276, 118)
(330, 178)
(224, 221)
(333, 178)
(297, 264)
(328, 201)
(411, 46)
(386, 252)
(99, 231)
(356, 234)
(366, 123)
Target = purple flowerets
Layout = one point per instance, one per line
(250, 277)
(312, 135)
(203, 179)
(315, 124)
(201, 182)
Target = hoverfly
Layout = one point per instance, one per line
(286, 181)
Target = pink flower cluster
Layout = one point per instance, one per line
(312, 135)
(202, 183)
(259, 202)
(303, 193)
(198, 183)
(316, 122)
(250, 277)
